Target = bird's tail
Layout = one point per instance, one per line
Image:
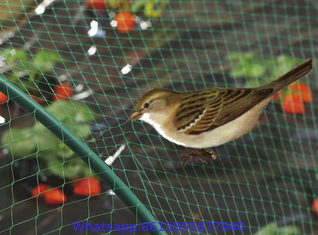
(291, 76)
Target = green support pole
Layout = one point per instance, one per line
(84, 152)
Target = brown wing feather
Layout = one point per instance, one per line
(192, 105)
(219, 107)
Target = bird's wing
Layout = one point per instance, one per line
(205, 110)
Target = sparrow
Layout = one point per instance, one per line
(203, 119)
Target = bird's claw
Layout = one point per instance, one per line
(188, 155)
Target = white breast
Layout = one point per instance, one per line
(146, 118)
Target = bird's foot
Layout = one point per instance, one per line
(211, 153)
(189, 154)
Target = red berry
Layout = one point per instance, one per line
(96, 4)
(55, 197)
(303, 90)
(125, 22)
(39, 190)
(87, 187)
(62, 91)
(292, 103)
(3, 98)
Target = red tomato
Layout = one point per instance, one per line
(36, 99)
(292, 103)
(96, 4)
(278, 96)
(38, 190)
(55, 197)
(62, 91)
(125, 22)
(3, 98)
(303, 90)
(314, 206)
(87, 187)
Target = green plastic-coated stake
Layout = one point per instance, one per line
(84, 152)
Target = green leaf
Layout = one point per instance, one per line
(42, 62)
(289, 230)
(68, 169)
(6, 53)
(272, 229)
(83, 113)
(71, 113)
(45, 139)
(254, 70)
(74, 116)
(21, 55)
(243, 58)
(238, 71)
(80, 130)
(67, 152)
(47, 154)
(250, 65)
(14, 79)
(20, 142)
(63, 110)
(269, 229)
(45, 60)
(21, 60)
(285, 59)
(83, 131)
(64, 151)
(17, 59)
(282, 65)
(250, 83)
(234, 57)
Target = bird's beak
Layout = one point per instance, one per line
(135, 116)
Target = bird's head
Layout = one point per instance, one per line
(154, 102)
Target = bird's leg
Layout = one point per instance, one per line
(188, 155)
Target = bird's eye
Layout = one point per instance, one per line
(146, 105)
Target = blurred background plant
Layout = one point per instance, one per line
(54, 156)
(31, 73)
(259, 72)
